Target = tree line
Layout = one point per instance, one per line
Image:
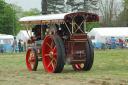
(111, 13)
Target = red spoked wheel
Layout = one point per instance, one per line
(31, 60)
(51, 54)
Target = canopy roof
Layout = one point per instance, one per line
(57, 18)
(112, 32)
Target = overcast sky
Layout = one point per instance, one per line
(26, 4)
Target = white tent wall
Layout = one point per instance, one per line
(97, 36)
(6, 39)
(23, 35)
(102, 33)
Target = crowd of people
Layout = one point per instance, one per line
(20, 44)
(122, 44)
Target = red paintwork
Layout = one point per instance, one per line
(71, 48)
(30, 41)
(77, 67)
(78, 37)
(89, 19)
(39, 51)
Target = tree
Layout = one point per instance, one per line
(6, 18)
(56, 6)
(123, 18)
(81, 5)
(73, 5)
(125, 3)
(108, 11)
(32, 11)
(10, 12)
(2, 6)
(91, 25)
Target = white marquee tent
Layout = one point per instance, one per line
(100, 35)
(6, 39)
(23, 35)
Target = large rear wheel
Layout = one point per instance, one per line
(31, 59)
(90, 55)
(89, 58)
(51, 54)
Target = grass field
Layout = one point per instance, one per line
(110, 68)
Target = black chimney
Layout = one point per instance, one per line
(44, 7)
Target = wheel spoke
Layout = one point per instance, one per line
(48, 45)
(54, 48)
(50, 63)
(52, 43)
(46, 55)
(77, 66)
(55, 53)
(32, 64)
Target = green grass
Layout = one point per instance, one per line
(110, 68)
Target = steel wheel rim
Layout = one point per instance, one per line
(30, 59)
(49, 54)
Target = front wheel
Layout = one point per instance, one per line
(51, 54)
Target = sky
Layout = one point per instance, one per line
(26, 4)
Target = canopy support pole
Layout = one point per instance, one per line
(41, 31)
(85, 26)
(72, 26)
(30, 31)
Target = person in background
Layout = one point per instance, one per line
(14, 44)
(112, 40)
(1, 49)
(126, 41)
(25, 46)
(109, 43)
(121, 43)
(19, 44)
(22, 45)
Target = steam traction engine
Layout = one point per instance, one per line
(60, 40)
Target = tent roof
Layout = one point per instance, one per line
(23, 35)
(113, 31)
(4, 36)
(24, 32)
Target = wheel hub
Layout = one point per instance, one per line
(51, 54)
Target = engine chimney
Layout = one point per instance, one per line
(44, 7)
